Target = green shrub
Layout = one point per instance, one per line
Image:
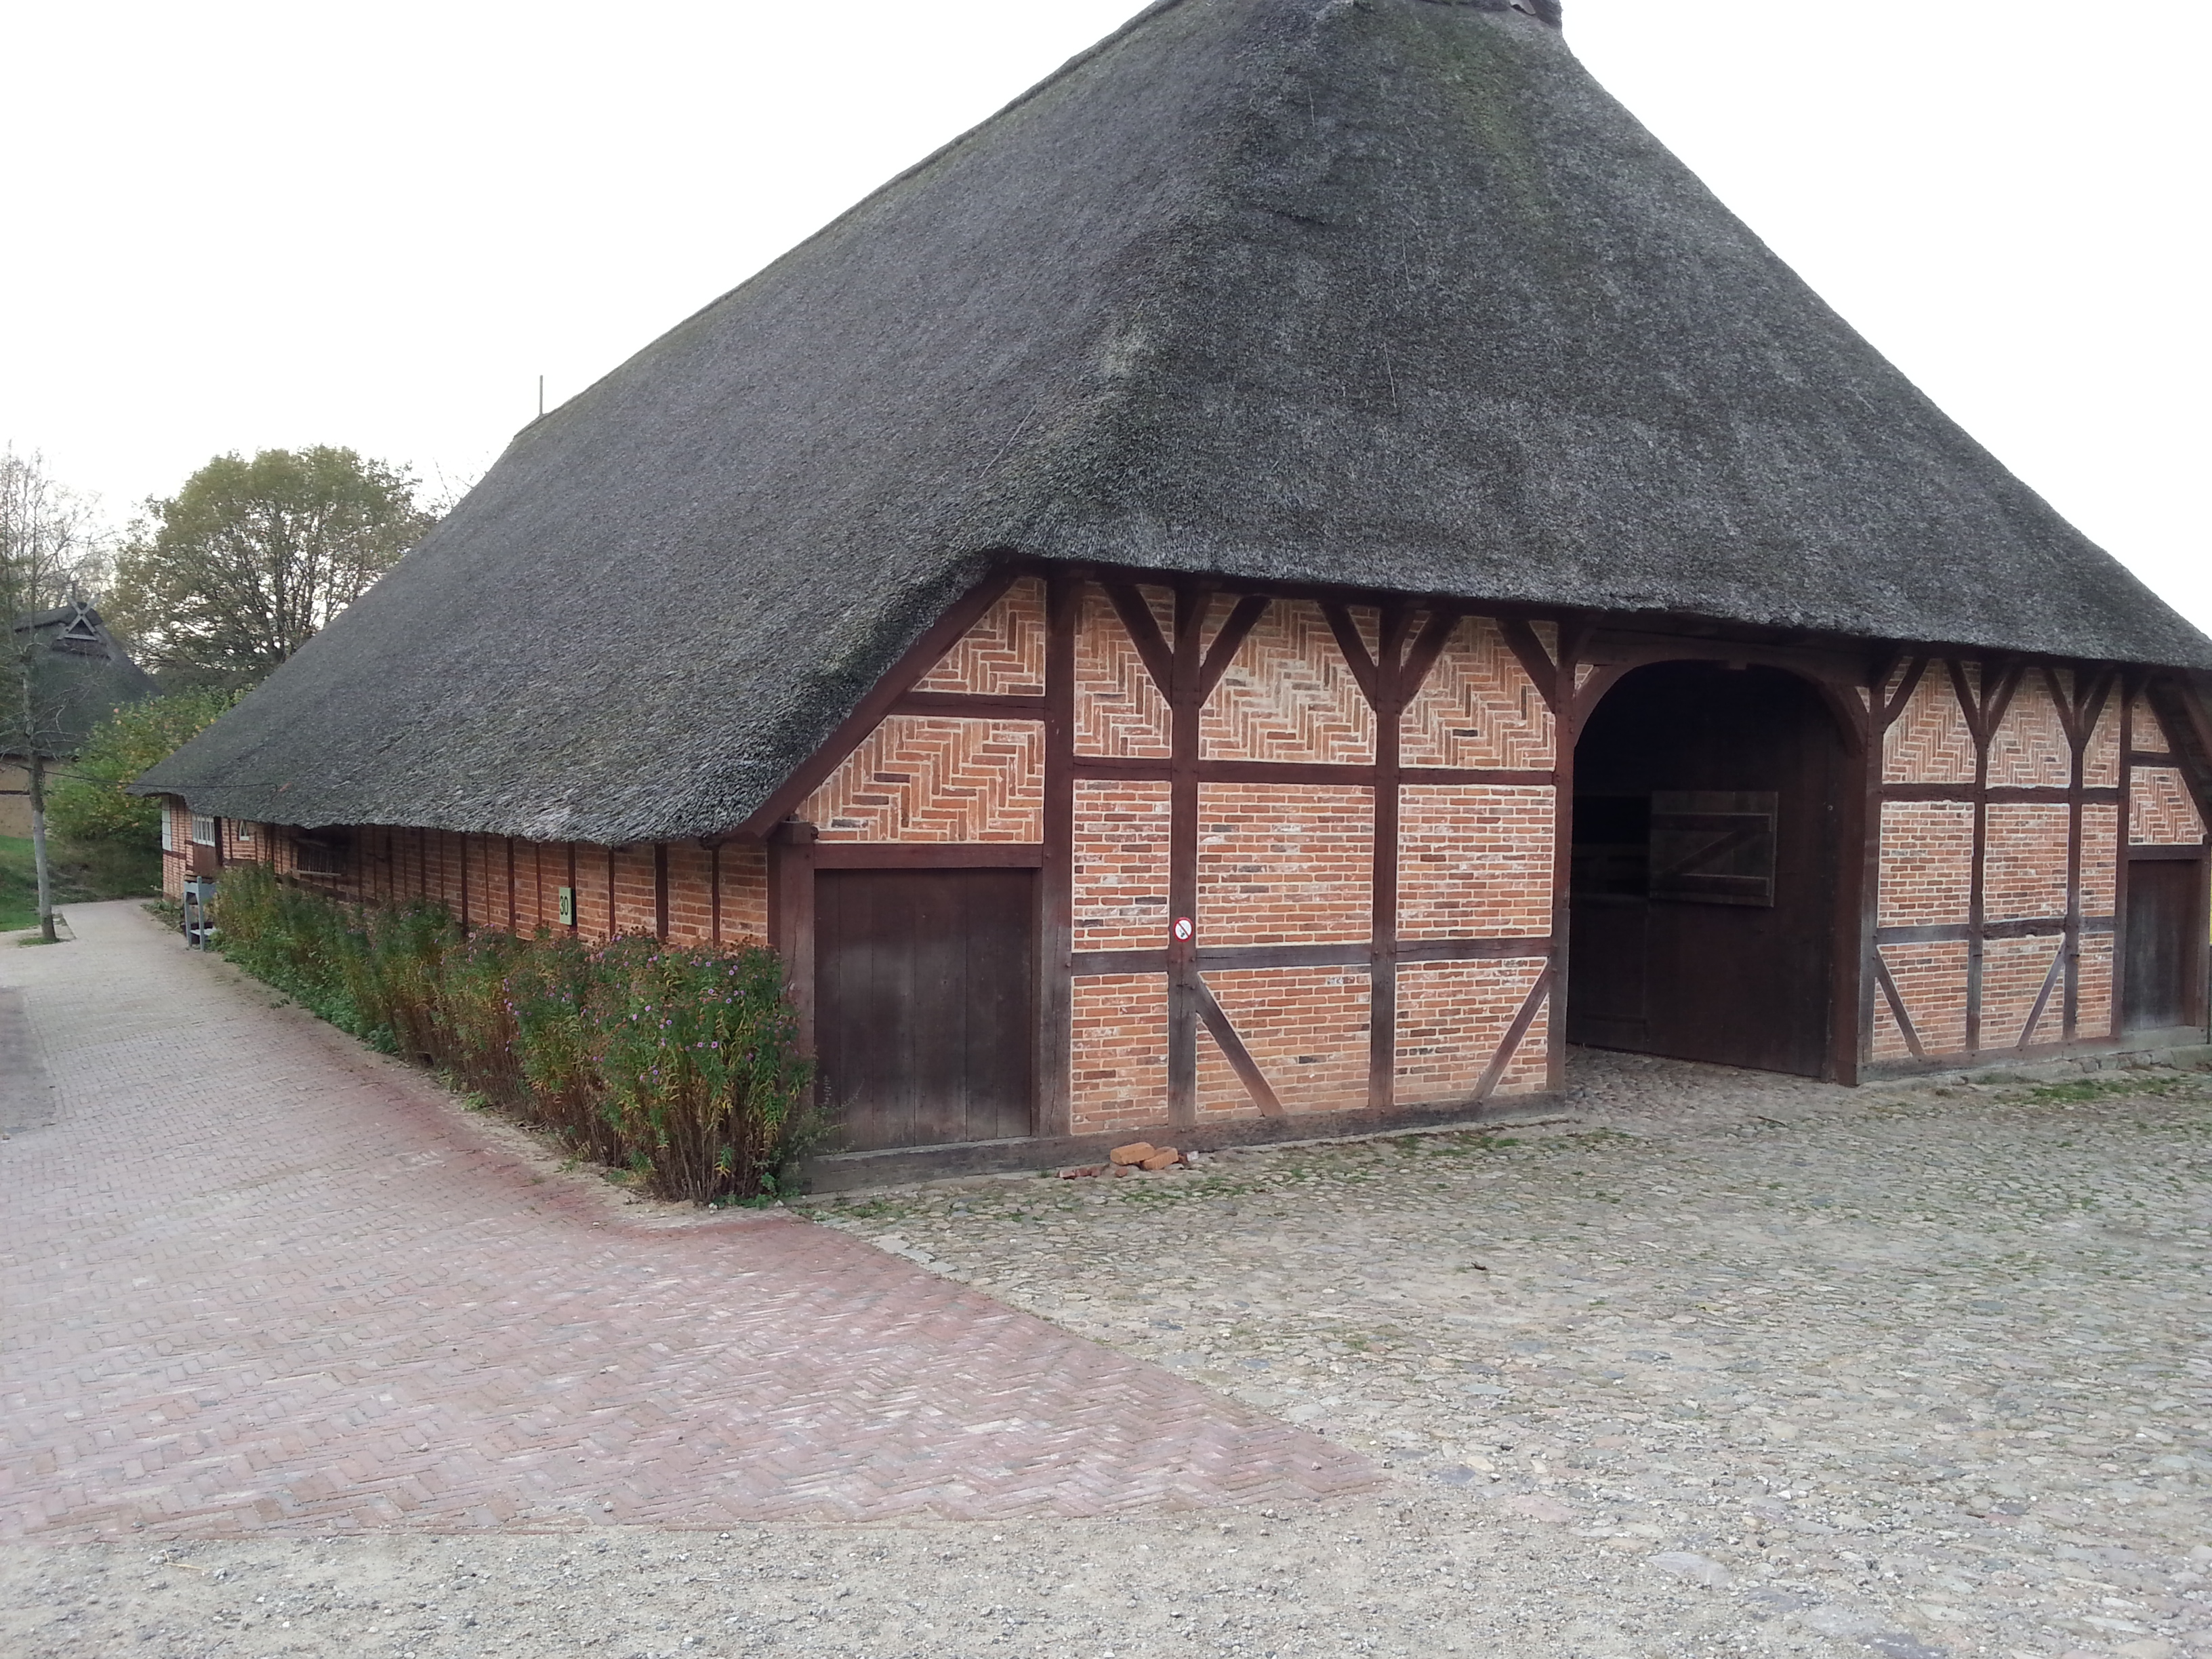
(88, 805)
(677, 1063)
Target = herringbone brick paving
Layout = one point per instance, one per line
(257, 1279)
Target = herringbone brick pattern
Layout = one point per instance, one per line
(921, 778)
(258, 1279)
(1289, 696)
(1118, 710)
(1479, 707)
(2145, 733)
(2030, 748)
(2159, 812)
(2100, 763)
(1003, 655)
(1930, 742)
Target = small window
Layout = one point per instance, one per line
(168, 829)
(1713, 847)
(242, 834)
(203, 829)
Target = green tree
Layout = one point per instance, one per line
(46, 550)
(240, 569)
(86, 804)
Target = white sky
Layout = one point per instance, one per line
(233, 226)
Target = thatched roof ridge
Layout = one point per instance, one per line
(80, 675)
(1383, 293)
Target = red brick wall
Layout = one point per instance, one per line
(1927, 863)
(1926, 869)
(1003, 655)
(1121, 859)
(1118, 1071)
(1474, 861)
(1306, 1027)
(1118, 710)
(1452, 1017)
(1285, 864)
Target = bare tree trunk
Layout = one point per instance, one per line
(37, 769)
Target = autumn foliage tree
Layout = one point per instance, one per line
(240, 567)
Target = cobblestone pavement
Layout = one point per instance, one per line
(1922, 1371)
(254, 1277)
(1719, 1366)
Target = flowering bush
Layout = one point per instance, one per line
(676, 1062)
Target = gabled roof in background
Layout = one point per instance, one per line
(1376, 292)
(80, 676)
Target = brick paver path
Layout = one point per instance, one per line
(254, 1278)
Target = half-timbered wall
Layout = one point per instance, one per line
(1356, 810)
(2002, 793)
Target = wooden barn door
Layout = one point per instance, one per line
(1706, 862)
(925, 1003)
(2166, 917)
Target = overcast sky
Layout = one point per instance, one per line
(238, 226)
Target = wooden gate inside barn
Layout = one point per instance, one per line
(1706, 859)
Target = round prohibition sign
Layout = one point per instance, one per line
(1184, 930)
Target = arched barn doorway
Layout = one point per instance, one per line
(1706, 862)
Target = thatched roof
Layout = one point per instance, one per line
(1377, 292)
(79, 677)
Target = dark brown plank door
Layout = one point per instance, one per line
(2165, 943)
(925, 1003)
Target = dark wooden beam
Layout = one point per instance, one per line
(791, 852)
(1535, 661)
(1896, 1008)
(963, 705)
(1184, 706)
(1144, 631)
(1230, 641)
(1240, 1060)
(920, 658)
(1494, 1074)
(929, 855)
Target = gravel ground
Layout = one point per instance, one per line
(1722, 1365)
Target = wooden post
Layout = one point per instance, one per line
(2130, 687)
(1184, 706)
(1056, 933)
(791, 917)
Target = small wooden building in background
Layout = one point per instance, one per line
(1300, 569)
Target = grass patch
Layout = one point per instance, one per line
(81, 875)
(2122, 1087)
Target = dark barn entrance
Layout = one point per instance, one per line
(925, 1003)
(1705, 869)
